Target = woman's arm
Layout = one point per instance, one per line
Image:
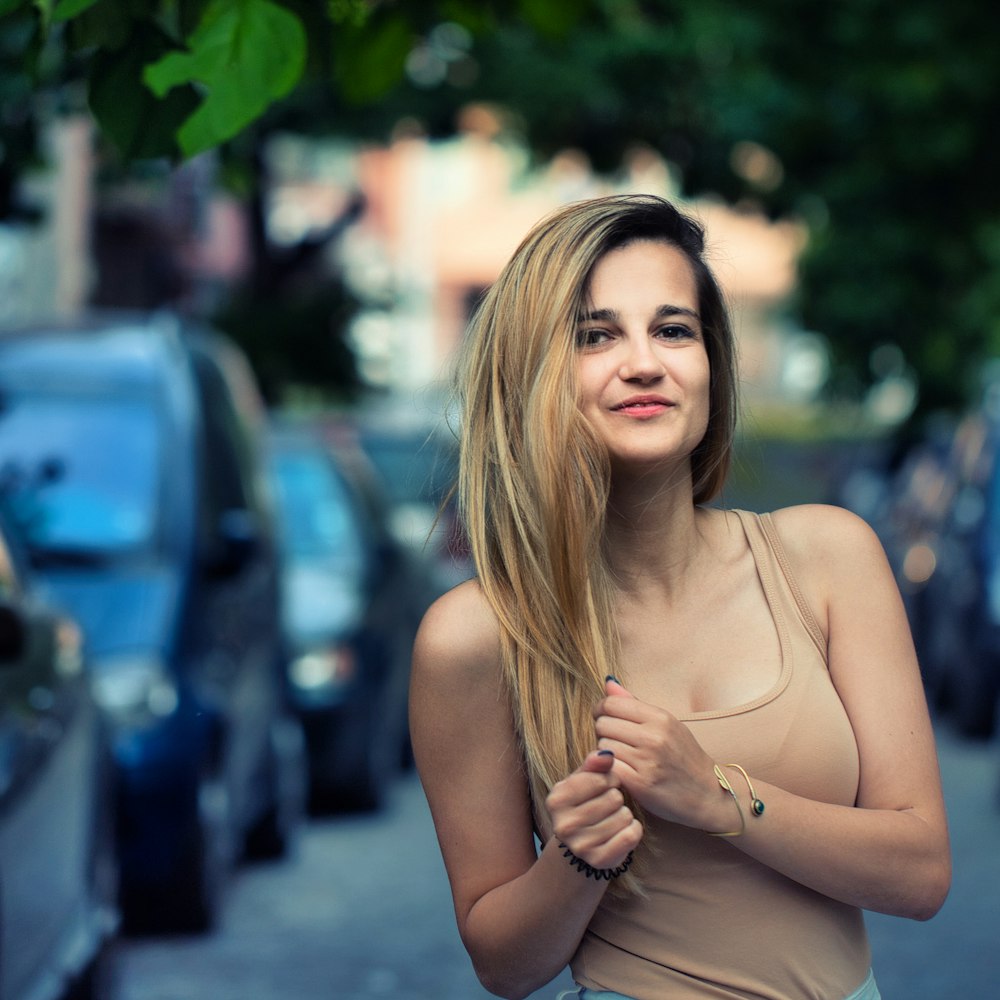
(520, 917)
(891, 852)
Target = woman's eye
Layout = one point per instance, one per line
(590, 337)
(675, 331)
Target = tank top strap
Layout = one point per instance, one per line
(760, 528)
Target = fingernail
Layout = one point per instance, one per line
(605, 753)
(611, 677)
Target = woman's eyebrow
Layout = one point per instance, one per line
(599, 315)
(613, 315)
(664, 311)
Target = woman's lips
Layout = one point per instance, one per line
(643, 406)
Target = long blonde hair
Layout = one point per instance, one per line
(534, 480)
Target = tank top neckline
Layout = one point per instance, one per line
(766, 575)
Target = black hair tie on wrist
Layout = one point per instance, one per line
(607, 874)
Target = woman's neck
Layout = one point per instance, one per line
(653, 533)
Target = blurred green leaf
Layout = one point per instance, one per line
(370, 60)
(552, 17)
(139, 124)
(245, 55)
(103, 27)
(44, 8)
(67, 9)
(189, 15)
(352, 12)
(478, 18)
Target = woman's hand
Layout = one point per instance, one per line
(589, 814)
(660, 763)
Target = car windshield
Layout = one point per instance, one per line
(316, 511)
(80, 473)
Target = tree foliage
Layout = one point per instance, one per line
(870, 120)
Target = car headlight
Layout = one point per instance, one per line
(330, 666)
(135, 690)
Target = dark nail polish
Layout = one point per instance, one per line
(605, 753)
(611, 677)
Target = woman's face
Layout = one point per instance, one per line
(641, 362)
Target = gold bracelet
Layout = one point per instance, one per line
(724, 782)
(756, 806)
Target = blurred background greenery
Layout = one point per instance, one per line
(868, 125)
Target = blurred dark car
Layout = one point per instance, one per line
(908, 514)
(960, 644)
(940, 528)
(417, 464)
(353, 598)
(129, 453)
(58, 866)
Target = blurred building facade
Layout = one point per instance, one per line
(442, 218)
(44, 264)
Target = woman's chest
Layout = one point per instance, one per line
(709, 652)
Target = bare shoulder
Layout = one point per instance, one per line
(456, 671)
(832, 553)
(821, 534)
(458, 637)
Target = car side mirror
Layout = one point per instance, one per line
(236, 542)
(13, 634)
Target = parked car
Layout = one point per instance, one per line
(939, 529)
(58, 865)
(961, 646)
(129, 449)
(417, 464)
(353, 598)
(919, 491)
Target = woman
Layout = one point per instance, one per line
(712, 822)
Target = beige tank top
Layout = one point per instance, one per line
(715, 922)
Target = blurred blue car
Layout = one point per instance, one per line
(129, 453)
(353, 597)
(417, 466)
(58, 865)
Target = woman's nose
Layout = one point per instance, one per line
(641, 362)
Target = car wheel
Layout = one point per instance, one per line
(366, 758)
(273, 835)
(194, 903)
(99, 980)
(191, 902)
(371, 780)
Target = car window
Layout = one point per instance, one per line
(317, 515)
(81, 473)
(414, 469)
(225, 458)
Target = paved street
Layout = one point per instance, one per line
(363, 912)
